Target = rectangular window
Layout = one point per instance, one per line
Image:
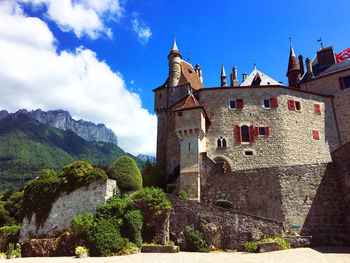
(262, 131)
(346, 81)
(267, 104)
(317, 108)
(248, 152)
(315, 135)
(232, 104)
(297, 105)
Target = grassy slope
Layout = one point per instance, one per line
(27, 147)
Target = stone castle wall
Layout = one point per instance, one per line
(221, 228)
(86, 198)
(291, 139)
(330, 85)
(305, 196)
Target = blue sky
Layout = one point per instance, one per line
(100, 59)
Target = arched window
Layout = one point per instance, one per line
(245, 133)
(219, 143)
(223, 142)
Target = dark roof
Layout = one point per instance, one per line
(190, 103)
(326, 70)
(293, 63)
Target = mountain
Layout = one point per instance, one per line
(62, 120)
(145, 157)
(28, 146)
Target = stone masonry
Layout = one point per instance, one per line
(84, 199)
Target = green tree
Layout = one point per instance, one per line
(126, 173)
(154, 175)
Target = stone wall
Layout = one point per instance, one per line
(304, 196)
(86, 198)
(290, 141)
(330, 85)
(221, 228)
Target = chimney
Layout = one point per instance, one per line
(199, 72)
(245, 76)
(309, 72)
(326, 57)
(301, 63)
(233, 78)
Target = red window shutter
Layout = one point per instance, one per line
(315, 135)
(317, 108)
(267, 130)
(240, 104)
(341, 83)
(291, 104)
(252, 133)
(274, 103)
(238, 134)
(256, 131)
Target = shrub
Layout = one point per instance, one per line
(81, 250)
(152, 201)
(9, 234)
(105, 235)
(132, 226)
(223, 203)
(204, 250)
(194, 239)
(183, 194)
(114, 208)
(154, 175)
(126, 173)
(16, 252)
(74, 174)
(252, 247)
(4, 216)
(14, 206)
(93, 175)
(81, 225)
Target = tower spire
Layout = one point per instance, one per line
(294, 71)
(223, 77)
(174, 49)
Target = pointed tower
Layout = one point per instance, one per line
(174, 65)
(223, 77)
(294, 71)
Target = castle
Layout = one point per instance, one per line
(242, 142)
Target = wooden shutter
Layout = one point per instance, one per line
(256, 131)
(240, 104)
(251, 133)
(317, 108)
(274, 103)
(315, 135)
(238, 134)
(267, 131)
(291, 104)
(341, 83)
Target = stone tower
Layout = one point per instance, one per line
(294, 71)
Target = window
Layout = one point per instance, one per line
(221, 142)
(245, 133)
(248, 152)
(189, 146)
(267, 104)
(262, 131)
(179, 113)
(236, 103)
(344, 82)
(317, 108)
(294, 105)
(160, 95)
(315, 134)
(187, 116)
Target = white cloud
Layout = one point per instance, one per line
(143, 31)
(84, 17)
(33, 75)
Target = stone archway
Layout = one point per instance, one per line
(220, 159)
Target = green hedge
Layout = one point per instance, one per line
(194, 239)
(126, 173)
(9, 234)
(252, 247)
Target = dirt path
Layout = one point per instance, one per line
(299, 255)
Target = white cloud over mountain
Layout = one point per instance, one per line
(34, 75)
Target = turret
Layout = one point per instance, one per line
(309, 71)
(199, 72)
(294, 72)
(233, 78)
(174, 65)
(223, 77)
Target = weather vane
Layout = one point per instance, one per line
(320, 40)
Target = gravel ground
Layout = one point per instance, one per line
(299, 255)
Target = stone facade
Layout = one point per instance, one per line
(329, 84)
(84, 199)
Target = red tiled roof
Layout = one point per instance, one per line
(189, 75)
(190, 103)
